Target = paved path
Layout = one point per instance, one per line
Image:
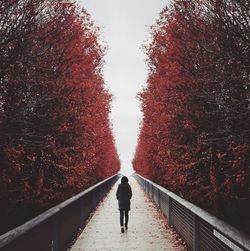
(146, 228)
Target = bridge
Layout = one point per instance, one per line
(159, 220)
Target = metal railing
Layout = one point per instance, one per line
(55, 229)
(200, 230)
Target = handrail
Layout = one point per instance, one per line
(220, 229)
(17, 233)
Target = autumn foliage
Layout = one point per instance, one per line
(55, 134)
(195, 134)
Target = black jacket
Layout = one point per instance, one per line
(123, 195)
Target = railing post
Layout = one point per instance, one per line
(196, 244)
(106, 187)
(170, 212)
(152, 192)
(81, 213)
(55, 235)
(159, 198)
(93, 199)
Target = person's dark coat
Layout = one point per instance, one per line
(123, 195)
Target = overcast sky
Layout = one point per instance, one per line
(125, 26)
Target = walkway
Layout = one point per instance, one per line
(147, 229)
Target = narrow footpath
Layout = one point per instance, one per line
(147, 229)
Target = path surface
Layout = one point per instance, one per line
(146, 229)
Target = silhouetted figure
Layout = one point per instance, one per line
(123, 195)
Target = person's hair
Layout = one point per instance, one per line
(124, 179)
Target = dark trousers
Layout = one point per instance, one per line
(122, 214)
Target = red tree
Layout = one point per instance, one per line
(195, 134)
(56, 138)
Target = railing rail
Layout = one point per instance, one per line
(200, 229)
(54, 229)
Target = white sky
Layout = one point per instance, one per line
(124, 27)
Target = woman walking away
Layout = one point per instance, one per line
(123, 195)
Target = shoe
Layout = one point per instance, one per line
(122, 229)
(126, 226)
